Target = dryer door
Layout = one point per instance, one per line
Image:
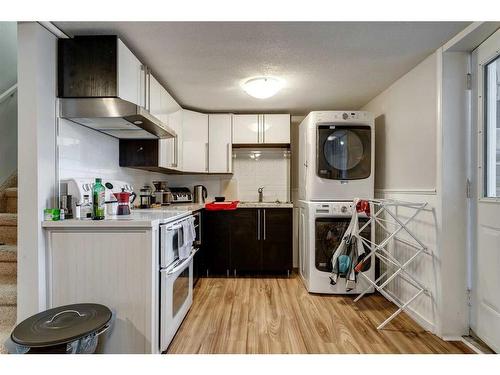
(343, 152)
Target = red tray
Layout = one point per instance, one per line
(221, 206)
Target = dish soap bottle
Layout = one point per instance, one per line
(98, 200)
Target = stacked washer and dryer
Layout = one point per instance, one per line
(336, 165)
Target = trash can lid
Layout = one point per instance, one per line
(61, 325)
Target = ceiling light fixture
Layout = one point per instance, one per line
(262, 87)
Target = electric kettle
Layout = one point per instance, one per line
(199, 194)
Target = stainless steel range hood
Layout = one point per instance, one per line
(114, 116)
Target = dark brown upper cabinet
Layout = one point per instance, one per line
(100, 67)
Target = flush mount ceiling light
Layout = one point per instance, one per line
(262, 87)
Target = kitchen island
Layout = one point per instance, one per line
(115, 262)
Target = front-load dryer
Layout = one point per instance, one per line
(336, 156)
(321, 227)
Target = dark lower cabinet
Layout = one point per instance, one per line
(217, 241)
(248, 240)
(246, 252)
(277, 240)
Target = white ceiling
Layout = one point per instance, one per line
(327, 65)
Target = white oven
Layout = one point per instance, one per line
(176, 277)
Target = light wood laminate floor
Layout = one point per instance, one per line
(277, 315)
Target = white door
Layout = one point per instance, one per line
(246, 129)
(219, 143)
(485, 310)
(276, 128)
(131, 76)
(194, 142)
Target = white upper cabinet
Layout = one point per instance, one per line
(246, 129)
(131, 76)
(194, 142)
(276, 128)
(254, 129)
(154, 98)
(220, 143)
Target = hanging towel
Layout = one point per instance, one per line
(348, 253)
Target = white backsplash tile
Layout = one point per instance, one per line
(269, 168)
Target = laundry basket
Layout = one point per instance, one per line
(70, 329)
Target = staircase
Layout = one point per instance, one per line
(8, 263)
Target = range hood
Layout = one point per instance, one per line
(114, 116)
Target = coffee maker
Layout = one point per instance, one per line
(162, 193)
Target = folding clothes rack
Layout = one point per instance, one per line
(384, 216)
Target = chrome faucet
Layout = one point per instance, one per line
(261, 195)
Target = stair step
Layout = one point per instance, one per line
(10, 195)
(8, 253)
(8, 235)
(8, 219)
(11, 192)
(8, 228)
(8, 316)
(8, 293)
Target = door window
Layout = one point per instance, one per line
(492, 129)
(343, 149)
(180, 291)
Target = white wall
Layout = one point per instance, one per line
(405, 130)
(8, 107)
(405, 168)
(8, 137)
(36, 156)
(84, 152)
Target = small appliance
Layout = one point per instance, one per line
(162, 193)
(124, 202)
(145, 197)
(200, 193)
(336, 156)
(321, 228)
(181, 195)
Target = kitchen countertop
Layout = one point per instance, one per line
(138, 218)
(265, 205)
(147, 218)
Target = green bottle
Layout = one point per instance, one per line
(98, 200)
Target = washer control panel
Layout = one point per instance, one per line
(334, 208)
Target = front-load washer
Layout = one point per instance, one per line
(321, 228)
(336, 156)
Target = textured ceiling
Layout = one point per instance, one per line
(326, 65)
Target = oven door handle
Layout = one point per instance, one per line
(174, 227)
(180, 265)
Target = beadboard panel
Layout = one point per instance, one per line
(116, 268)
(425, 267)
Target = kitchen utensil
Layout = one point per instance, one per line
(162, 193)
(124, 200)
(220, 199)
(200, 193)
(145, 196)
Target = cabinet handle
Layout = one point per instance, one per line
(258, 225)
(206, 157)
(264, 224)
(176, 152)
(228, 150)
(263, 133)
